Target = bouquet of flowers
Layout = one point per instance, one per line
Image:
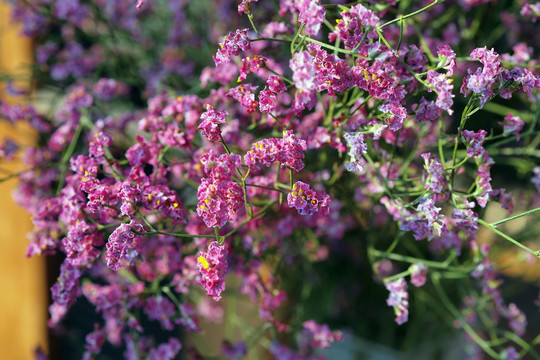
(331, 163)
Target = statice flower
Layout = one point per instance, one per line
(245, 95)
(8, 149)
(213, 268)
(447, 59)
(318, 336)
(210, 121)
(474, 142)
(399, 299)
(483, 80)
(289, 151)
(122, 246)
(275, 84)
(165, 351)
(532, 11)
(427, 111)
(64, 291)
(161, 309)
(219, 201)
(304, 71)
(93, 343)
(434, 177)
(100, 140)
(357, 148)
(516, 319)
(244, 6)
(512, 124)
(442, 84)
(418, 274)
(536, 178)
(396, 114)
(231, 46)
(251, 64)
(349, 27)
(466, 218)
(510, 353)
(483, 180)
(307, 201)
(311, 14)
(234, 351)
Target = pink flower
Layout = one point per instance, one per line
(213, 268)
(231, 45)
(307, 201)
(512, 124)
(210, 121)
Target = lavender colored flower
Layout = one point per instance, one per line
(307, 201)
(122, 246)
(399, 299)
(234, 351)
(64, 291)
(536, 178)
(8, 149)
(467, 218)
(213, 268)
(512, 125)
(161, 309)
(219, 201)
(357, 148)
(318, 336)
(418, 274)
(516, 319)
(435, 177)
(427, 111)
(165, 351)
(443, 86)
(474, 142)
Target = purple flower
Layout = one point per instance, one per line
(319, 336)
(399, 299)
(434, 178)
(307, 201)
(213, 268)
(234, 351)
(357, 149)
(122, 246)
(442, 84)
(418, 273)
(516, 319)
(349, 27)
(536, 178)
(165, 351)
(64, 291)
(161, 309)
(474, 142)
(512, 124)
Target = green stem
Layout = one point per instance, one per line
(506, 237)
(412, 14)
(515, 217)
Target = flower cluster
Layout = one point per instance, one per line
(302, 149)
(213, 268)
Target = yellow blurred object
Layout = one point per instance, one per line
(23, 300)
